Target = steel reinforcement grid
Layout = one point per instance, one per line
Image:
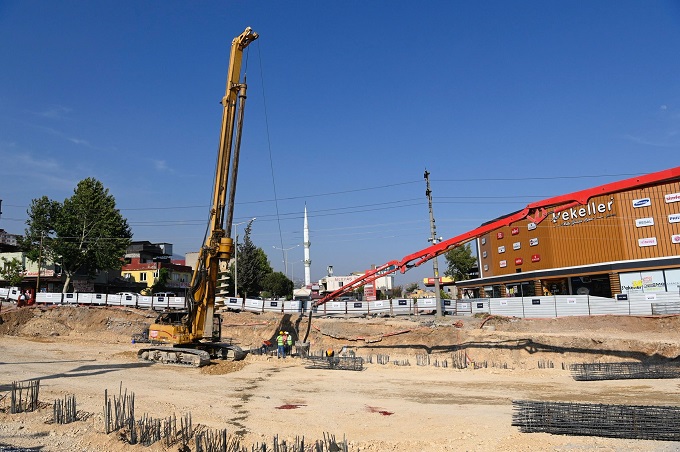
(624, 371)
(335, 363)
(659, 423)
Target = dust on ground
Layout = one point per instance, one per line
(85, 350)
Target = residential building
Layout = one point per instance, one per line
(144, 261)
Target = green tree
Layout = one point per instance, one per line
(412, 287)
(277, 284)
(397, 291)
(86, 233)
(253, 265)
(160, 285)
(459, 262)
(11, 271)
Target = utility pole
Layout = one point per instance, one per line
(37, 280)
(433, 238)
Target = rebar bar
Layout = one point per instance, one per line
(24, 396)
(624, 371)
(545, 364)
(212, 441)
(422, 360)
(64, 411)
(659, 423)
(119, 412)
(459, 360)
(402, 362)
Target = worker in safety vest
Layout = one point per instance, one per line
(281, 345)
(289, 343)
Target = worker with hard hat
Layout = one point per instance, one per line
(281, 345)
(289, 343)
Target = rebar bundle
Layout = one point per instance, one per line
(659, 423)
(24, 396)
(335, 362)
(444, 363)
(422, 360)
(545, 364)
(170, 433)
(327, 444)
(64, 411)
(459, 360)
(216, 441)
(382, 359)
(623, 371)
(145, 431)
(119, 412)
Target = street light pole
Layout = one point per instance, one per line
(285, 257)
(433, 238)
(236, 254)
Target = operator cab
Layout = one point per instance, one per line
(171, 318)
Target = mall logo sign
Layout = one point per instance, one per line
(673, 197)
(576, 215)
(642, 222)
(675, 238)
(674, 218)
(533, 242)
(644, 202)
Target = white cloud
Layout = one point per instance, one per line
(80, 142)
(55, 112)
(161, 166)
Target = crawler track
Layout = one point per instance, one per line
(174, 356)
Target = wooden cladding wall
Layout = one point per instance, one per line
(603, 230)
(658, 211)
(587, 234)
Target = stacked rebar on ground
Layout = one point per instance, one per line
(335, 362)
(659, 423)
(624, 371)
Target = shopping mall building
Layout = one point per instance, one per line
(618, 238)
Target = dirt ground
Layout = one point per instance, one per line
(84, 351)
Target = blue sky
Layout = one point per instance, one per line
(504, 103)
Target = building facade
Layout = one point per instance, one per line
(144, 261)
(624, 242)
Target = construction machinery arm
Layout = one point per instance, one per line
(536, 212)
(218, 245)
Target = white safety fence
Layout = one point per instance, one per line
(522, 307)
(575, 305)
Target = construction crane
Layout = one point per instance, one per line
(192, 336)
(535, 212)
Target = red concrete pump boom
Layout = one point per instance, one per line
(535, 212)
